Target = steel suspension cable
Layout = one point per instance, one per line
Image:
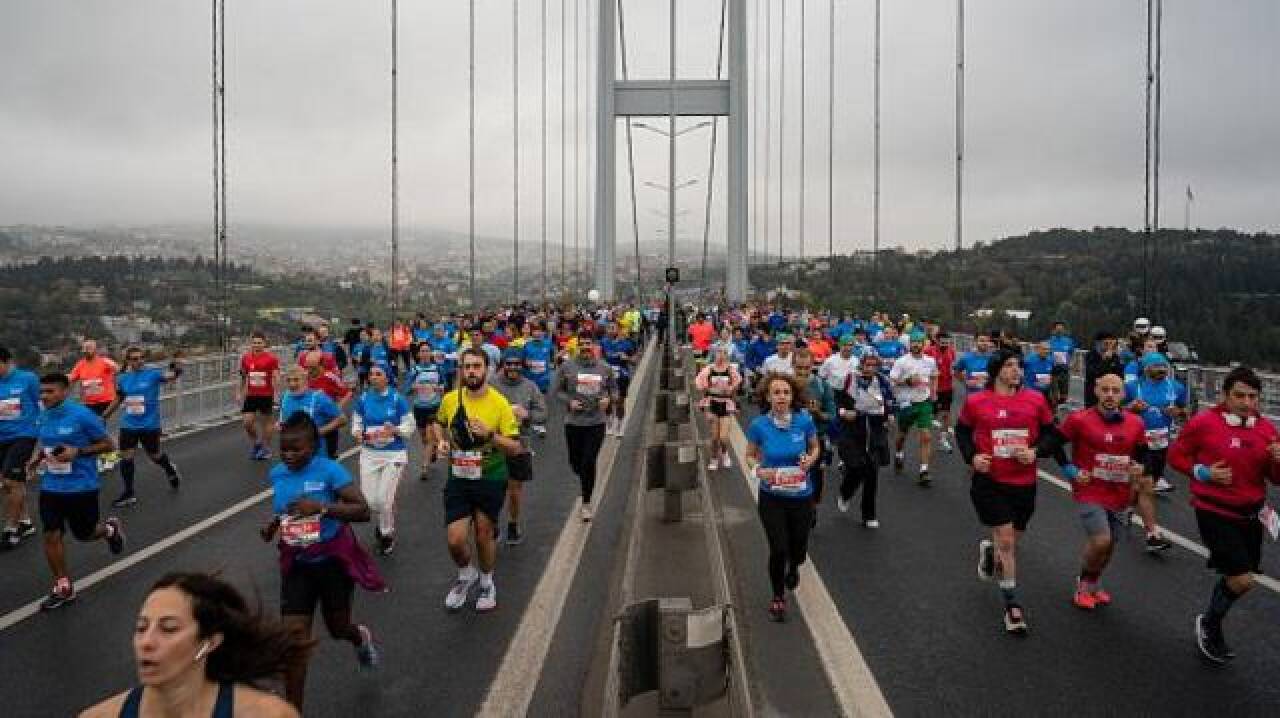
(768, 127)
(564, 143)
(395, 161)
(711, 161)
(831, 138)
(782, 125)
(802, 125)
(631, 153)
(515, 151)
(543, 44)
(471, 147)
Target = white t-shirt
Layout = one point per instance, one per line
(836, 369)
(916, 374)
(777, 364)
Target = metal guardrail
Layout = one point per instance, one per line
(205, 393)
(1204, 383)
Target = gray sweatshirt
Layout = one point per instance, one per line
(588, 381)
(523, 392)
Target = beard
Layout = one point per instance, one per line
(473, 382)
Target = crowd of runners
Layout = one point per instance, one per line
(469, 394)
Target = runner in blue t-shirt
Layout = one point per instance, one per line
(782, 446)
(972, 365)
(1062, 348)
(19, 409)
(619, 353)
(539, 357)
(426, 384)
(1160, 400)
(138, 394)
(1037, 370)
(316, 404)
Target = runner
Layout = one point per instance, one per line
(863, 441)
(333, 386)
(971, 367)
(719, 382)
(889, 346)
(587, 387)
(1104, 358)
(138, 391)
(481, 431)
(1038, 366)
(314, 504)
(1160, 400)
(620, 354)
(196, 643)
(259, 372)
(1063, 347)
(530, 409)
(381, 422)
(821, 405)
(780, 361)
(426, 383)
(915, 379)
(841, 365)
(1108, 459)
(782, 445)
(69, 437)
(539, 359)
(316, 404)
(701, 334)
(1230, 451)
(19, 410)
(95, 378)
(944, 356)
(999, 432)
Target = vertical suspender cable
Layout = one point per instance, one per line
(711, 162)
(543, 43)
(802, 125)
(768, 127)
(471, 147)
(577, 139)
(515, 152)
(782, 124)
(631, 153)
(564, 142)
(223, 261)
(395, 162)
(213, 116)
(1146, 163)
(959, 124)
(831, 139)
(875, 190)
(672, 338)
(755, 139)
(1155, 159)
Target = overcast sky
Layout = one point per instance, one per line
(105, 115)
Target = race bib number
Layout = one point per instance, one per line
(784, 478)
(1042, 379)
(135, 405)
(1060, 358)
(1111, 467)
(1158, 438)
(55, 467)
(93, 387)
(537, 366)
(589, 384)
(977, 379)
(379, 437)
(720, 384)
(467, 464)
(10, 409)
(257, 379)
(1005, 443)
(427, 391)
(300, 532)
(1270, 521)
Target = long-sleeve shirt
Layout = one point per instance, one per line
(1209, 438)
(588, 380)
(523, 392)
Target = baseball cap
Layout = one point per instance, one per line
(1151, 359)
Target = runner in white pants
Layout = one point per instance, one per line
(381, 422)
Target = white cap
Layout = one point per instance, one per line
(1157, 332)
(1142, 324)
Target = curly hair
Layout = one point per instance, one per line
(799, 395)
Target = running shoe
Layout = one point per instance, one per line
(778, 609)
(1084, 599)
(457, 596)
(986, 560)
(944, 444)
(388, 544)
(842, 504)
(871, 523)
(540, 430)
(713, 465)
(115, 535)
(487, 598)
(62, 594)
(175, 479)
(1101, 597)
(1015, 620)
(425, 475)
(367, 652)
(263, 454)
(1156, 543)
(1163, 486)
(1211, 642)
(725, 463)
(923, 480)
(514, 537)
(25, 529)
(898, 463)
(11, 539)
(125, 499)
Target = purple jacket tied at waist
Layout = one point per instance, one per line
(344, 548)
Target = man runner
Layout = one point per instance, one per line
(259, 374)
(586, 386)
(620, 354)
(530, 409)
(19, 409)
(95, 377)
(138, 392)
(915, 381)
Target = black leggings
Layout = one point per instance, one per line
(867, 476)
(786, 526)
(584, 446)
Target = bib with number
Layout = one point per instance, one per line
(785, 478)
(135, 405)
(1158, 438)
(1059, 357)
(378, 437)
(10, 409)
(300, 532)
(1042, 379)
(589, 384)
(537, 366)
(427, 390)
(467, 464)
(257, 378)
(93, 387)
(53, 466)
(1111, 467)
(977, 379)
(720, 383)
(1005, 443)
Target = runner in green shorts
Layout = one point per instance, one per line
(915, 381)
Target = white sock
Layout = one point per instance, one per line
(486, 579)
(467, 573)
(924, 467)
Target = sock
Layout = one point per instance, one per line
(1220, 602)
(486, 580)
(1089, 579)
(900, 456)
(467, 573)
(163, 462)
(924, 468)
(126, 473)
(1008, 591)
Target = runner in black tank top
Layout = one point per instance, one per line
(223, 708)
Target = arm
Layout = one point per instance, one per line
(701, 381)
(537, 407)
(357, 426)
(407, 427)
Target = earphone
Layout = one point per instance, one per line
(1234, 420)
(200, 654)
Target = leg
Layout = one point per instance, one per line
(514, 491)
(335, 605)
(486, 542)
(774, 520)
(458, 535)
(268, 430)
(391, 473)
(15, 502)
(128, 470)
(799, 523)
(870, 479)
(1005, 539)
(249, 420)
(55, 554)
(295, 676)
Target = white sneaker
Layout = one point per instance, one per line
(937, 424)
(487, 598)
(586, 512)
(713, 465)
(457, 596)
(724, 460)
(1163, 486)
(944, 444)
(843, 504)
(871, 523)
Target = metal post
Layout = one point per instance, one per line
(606, 152)
(711, 162)
(395, 161)
(673, 340)
(543, 43)
(1155, 159)
(471, 148)
(515, 151)
(738, 132)
(631, 153)
(1146, 167)
(577, 143)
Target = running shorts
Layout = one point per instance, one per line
(918, 415)
(424, 417)
(14, 455)
(100, 408)
(149, 438)
(1235, 544)
(309, 583)
(463, 498)
(624, 384)
(998, 504)
(264, 405)
(718, 407)
(1099, 521)
(77, 510)
(944, 401)
(520, 467)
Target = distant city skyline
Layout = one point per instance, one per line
(106, 116)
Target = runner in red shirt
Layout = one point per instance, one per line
(1000, 433)
(1230, 451)
(259, 371)
(944, 354)
(1108, 468)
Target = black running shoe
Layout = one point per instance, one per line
(923, 480)
(25, 529)
(62, 594)
(115, 535)
(175, 479)
(1210, 641)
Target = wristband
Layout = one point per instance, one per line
(1071, 471)
(1202, 473)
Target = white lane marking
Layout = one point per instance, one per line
(855, 687)
(21, 614)
(1186, 543)
(517, 677)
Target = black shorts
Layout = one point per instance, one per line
(998, 504)
(14, 455)
(424, 417)
(1235, 545)
(1159, 458)
(463, 497)
(77, 511)
(323, 582)
(943, 402)
(520, 467)
(624, 383)
(258, 405)
(100, 408)
(149, 438)
(718, 407)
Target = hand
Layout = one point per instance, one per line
(604, 403)
(847, 414)
(1026, 457)
(305, 507)
(269, 531)
(1083, 477)
(982, 463)
(479, 429)
(807, 460)
(442, 448)
(65, 453)
(520, 412)
(1220, 473)
(1138, 405)
(576, 405)
(1135, 470)
(1275, 451)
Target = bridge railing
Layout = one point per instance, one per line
(205, 393)
(1204, 383)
